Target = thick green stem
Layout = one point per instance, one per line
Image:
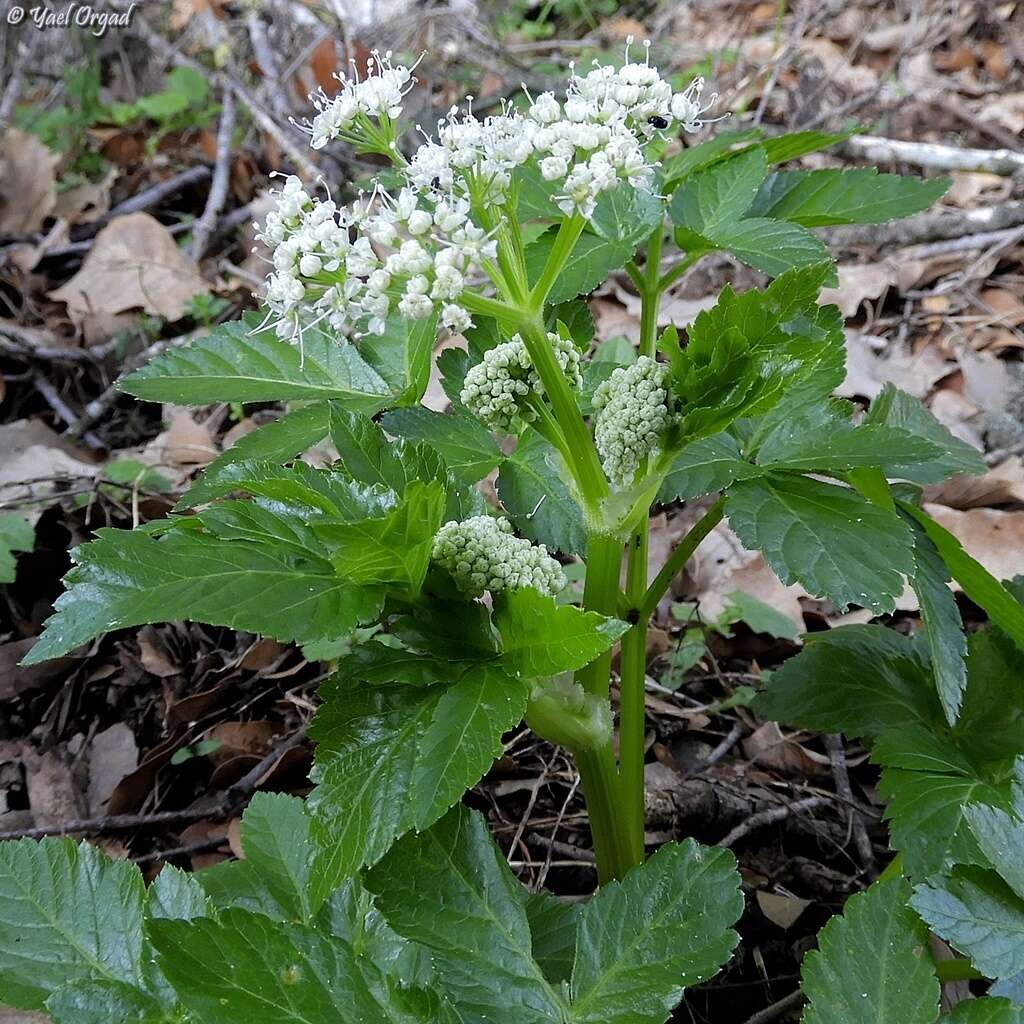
(612, 847)
(568, 235)
(600, 594)
(585, 464)
(679, 557)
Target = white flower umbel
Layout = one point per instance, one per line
(632, 416)
(500, 388)
(416, 253)
(482, 553)
(363, 111)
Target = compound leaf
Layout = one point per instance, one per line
(863, 196)
(642, 941)
(540, 638)
(128, 578)
(69, 913)
(987, 1010)
(465, 444)
(394, 758)
(451, 890)
(719, 195)
(872, 965)
(706, 465)
(236, 363)
(828, 538)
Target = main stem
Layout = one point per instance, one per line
(633, 659)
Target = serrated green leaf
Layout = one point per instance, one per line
(451, 890)
(926, 817)
(719, 195)
(592, 259)
(771, 246)
(822, 438)
(862, 680)
(793, 144)
(759, 616)
(126, 578)
(917, 749)
(175, 895)
(626, 214)
(293, 488)
(749, 350)
(235, 363)
(365, 451)
(104, 1002)
(393, 548)
(706, 465)
(979, 914)
(233, 883)
(541, 638)
(861, 196)
(872, 965)
(642, 941)
(943, 624)
(16, 534)
(895, 408)
(280, 850)
(401, 355)
(536, 498)
(828, 538)
(577, 317)
(987, 1010)
(279, 441)
(1001, 838)
(244, 966)
(69, 913)
(696, 158)
(462, 440)
(391, 759)
(352, 915)
(977, 582)
(553, 933)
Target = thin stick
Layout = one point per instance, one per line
(64, 411)
(841, 777)
(768, 817)
(875, 149)
(221, 173)
(776, 1010)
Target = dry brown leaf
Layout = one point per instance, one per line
(957, 413)
(857, 282)
(872, 362)
(969, 185)
(769, 748)
(113, 754)
(1005, 305)
(28, 187)
(154, 656)
(9, 1016)
(52, 793)
(781, 910)
(133, 264)
(434, 397)
(35, 459)
(986, 380)
(1001, 485)
(16, 678)
(1006, 109)
(86, 201)
(185, 442)
(722, 565)
(995, 538)
(238, 738)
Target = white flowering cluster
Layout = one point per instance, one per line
(588, 144)
(482, 553)
(416, 252)
(419, 257)
(350, 113)
(498, 388)
(633, 415)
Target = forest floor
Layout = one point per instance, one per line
(114, 246)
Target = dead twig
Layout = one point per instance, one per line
(53, 399)
(841, 778)
(769, 817)
(935, 157)
(777, 1009)
(219, 186)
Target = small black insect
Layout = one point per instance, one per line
(436, 184)
(657, 121)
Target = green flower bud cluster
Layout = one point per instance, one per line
(633, 415)
(498, 388)
(482, 553)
